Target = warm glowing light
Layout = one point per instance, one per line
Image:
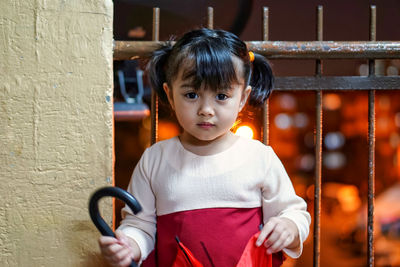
(348, 197)
(331, 101)
(245, 131)
(167, 130)
(310, 192)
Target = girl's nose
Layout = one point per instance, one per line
(206, 108)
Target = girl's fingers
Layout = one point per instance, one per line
(120, 263)
(111, 250)
(106, 252)
(278, 245)
(277, 234)
(107, 240)
(117, 251)
(126, 262)
(123, 254)
(273, 238)
(283, 245)
(267, 229)
(122, 258)
(122, 238)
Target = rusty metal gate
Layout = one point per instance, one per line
(317, 50)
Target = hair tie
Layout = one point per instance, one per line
(251, 55)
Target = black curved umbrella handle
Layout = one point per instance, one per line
(110, 191)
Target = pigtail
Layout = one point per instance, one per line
(156, 70)
(261, 81)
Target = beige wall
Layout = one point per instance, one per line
(55, 128)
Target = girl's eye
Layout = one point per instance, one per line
(191, 95)
(222, 97)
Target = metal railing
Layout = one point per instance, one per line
(318, 50)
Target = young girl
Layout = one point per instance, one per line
(208, 186)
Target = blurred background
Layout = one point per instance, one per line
(292, 114)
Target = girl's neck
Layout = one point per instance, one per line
(209, 147)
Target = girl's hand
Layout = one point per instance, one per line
(119, 251)
(277, 234)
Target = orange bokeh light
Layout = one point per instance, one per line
(245, 131)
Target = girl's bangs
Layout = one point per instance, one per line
(209, 67)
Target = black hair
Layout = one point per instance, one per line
(207, 58)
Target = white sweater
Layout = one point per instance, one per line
(169, 178)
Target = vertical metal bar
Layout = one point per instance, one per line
(265, 132)
(265, 24)
(210, 18)
(318, 150)
(372, 36)
(371, 148)
(154, 98)
(318, 69)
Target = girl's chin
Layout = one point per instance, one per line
(204, 138)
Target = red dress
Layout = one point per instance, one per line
(215, 236)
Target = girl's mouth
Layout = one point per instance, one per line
(205, 125)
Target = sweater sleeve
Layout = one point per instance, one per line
(142, 226)
(279, 199)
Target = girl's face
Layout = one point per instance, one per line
(205, 114)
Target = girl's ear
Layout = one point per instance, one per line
(168, 92)
(245, 95)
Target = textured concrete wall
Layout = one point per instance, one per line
(55, 128)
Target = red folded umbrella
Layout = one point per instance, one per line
(254, 256)
(184, 257)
